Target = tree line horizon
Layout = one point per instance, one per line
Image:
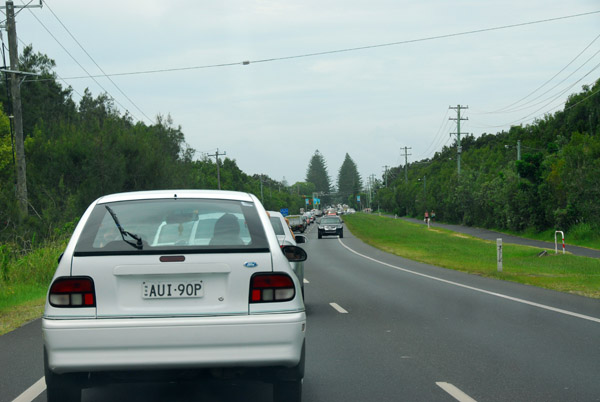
(77, 152)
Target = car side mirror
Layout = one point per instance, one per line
(300, 238)
(294, 253)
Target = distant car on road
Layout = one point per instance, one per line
(287, 238)
(170, 285)
(297, 223)
(331, 225)
(310, 217)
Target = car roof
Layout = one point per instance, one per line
(161, 194)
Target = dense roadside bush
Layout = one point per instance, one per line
(555, 185)
(26, 274)
(78, 152)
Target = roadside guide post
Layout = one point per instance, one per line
(556, 243)
(499, 253)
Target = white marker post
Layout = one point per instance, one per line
(556, 242)
(499, 253)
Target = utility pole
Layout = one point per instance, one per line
(371, 183)
(261, 188)
(424, 190)
(17, 114)
(458, 119)
(518, 150)
(216, 155)
(406, 155)
(17, 111)
(386, 170)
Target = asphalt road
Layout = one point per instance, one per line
(383, 328)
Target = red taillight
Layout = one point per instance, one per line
(266, 288)
(72, 292)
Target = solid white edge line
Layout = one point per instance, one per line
(455, 392)
(32, 392)
(538, 305)
(338, 308)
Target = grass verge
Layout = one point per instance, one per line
(24, 280)
(444, 248)
(580, 235)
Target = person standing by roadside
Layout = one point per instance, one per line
(432, 215)
(426, 216)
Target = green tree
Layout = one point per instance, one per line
(317, 174)
(43, 98)
(349, 181)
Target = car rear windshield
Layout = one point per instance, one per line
(277, 225)
(172, 226)
(330, 220)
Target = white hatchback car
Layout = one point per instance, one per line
(189, 283)
(287, 238)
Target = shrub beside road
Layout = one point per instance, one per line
(24, 280)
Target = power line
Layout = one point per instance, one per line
(440, 140)
(20, 7)
(443, 124)
(79, 64)
(352, 49)
(94, 61)
(587, 97)
(53, 72)
(525, 107)
(545, 83)
(525, 118)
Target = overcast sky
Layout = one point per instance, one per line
(272, 114)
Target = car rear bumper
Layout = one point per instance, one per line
(174, 343)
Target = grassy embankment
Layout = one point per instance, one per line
(24, 280)
(436, 246)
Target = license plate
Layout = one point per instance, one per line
(172, 290)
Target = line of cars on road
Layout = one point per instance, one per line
(329, 224)
(286, 237)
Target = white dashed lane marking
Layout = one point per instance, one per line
(32, 392)
(455, 392)
(338, 308)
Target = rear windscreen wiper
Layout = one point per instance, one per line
(138, 244)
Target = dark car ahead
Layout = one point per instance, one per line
(331, 225)
(297, 223)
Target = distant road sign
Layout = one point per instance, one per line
(284, 211)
